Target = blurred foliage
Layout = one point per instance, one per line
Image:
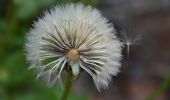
(162, 89)
(16, 82)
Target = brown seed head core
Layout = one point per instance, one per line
(73, 54)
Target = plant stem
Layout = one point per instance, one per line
(68, 85)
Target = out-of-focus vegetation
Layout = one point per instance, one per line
(16, 82)
(162, 89)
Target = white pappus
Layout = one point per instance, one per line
(74, 35)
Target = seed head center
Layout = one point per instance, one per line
(73, 54)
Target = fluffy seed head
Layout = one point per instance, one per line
(74, 35)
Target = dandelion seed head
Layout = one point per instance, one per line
(74, 35)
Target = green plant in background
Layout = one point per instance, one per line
(162, 89)
(16, 82)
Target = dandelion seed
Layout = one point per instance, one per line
(77, 36)
(128, 39)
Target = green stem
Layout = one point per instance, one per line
(68, 85)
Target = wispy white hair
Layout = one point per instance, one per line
(79, 28)
(129, 38)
